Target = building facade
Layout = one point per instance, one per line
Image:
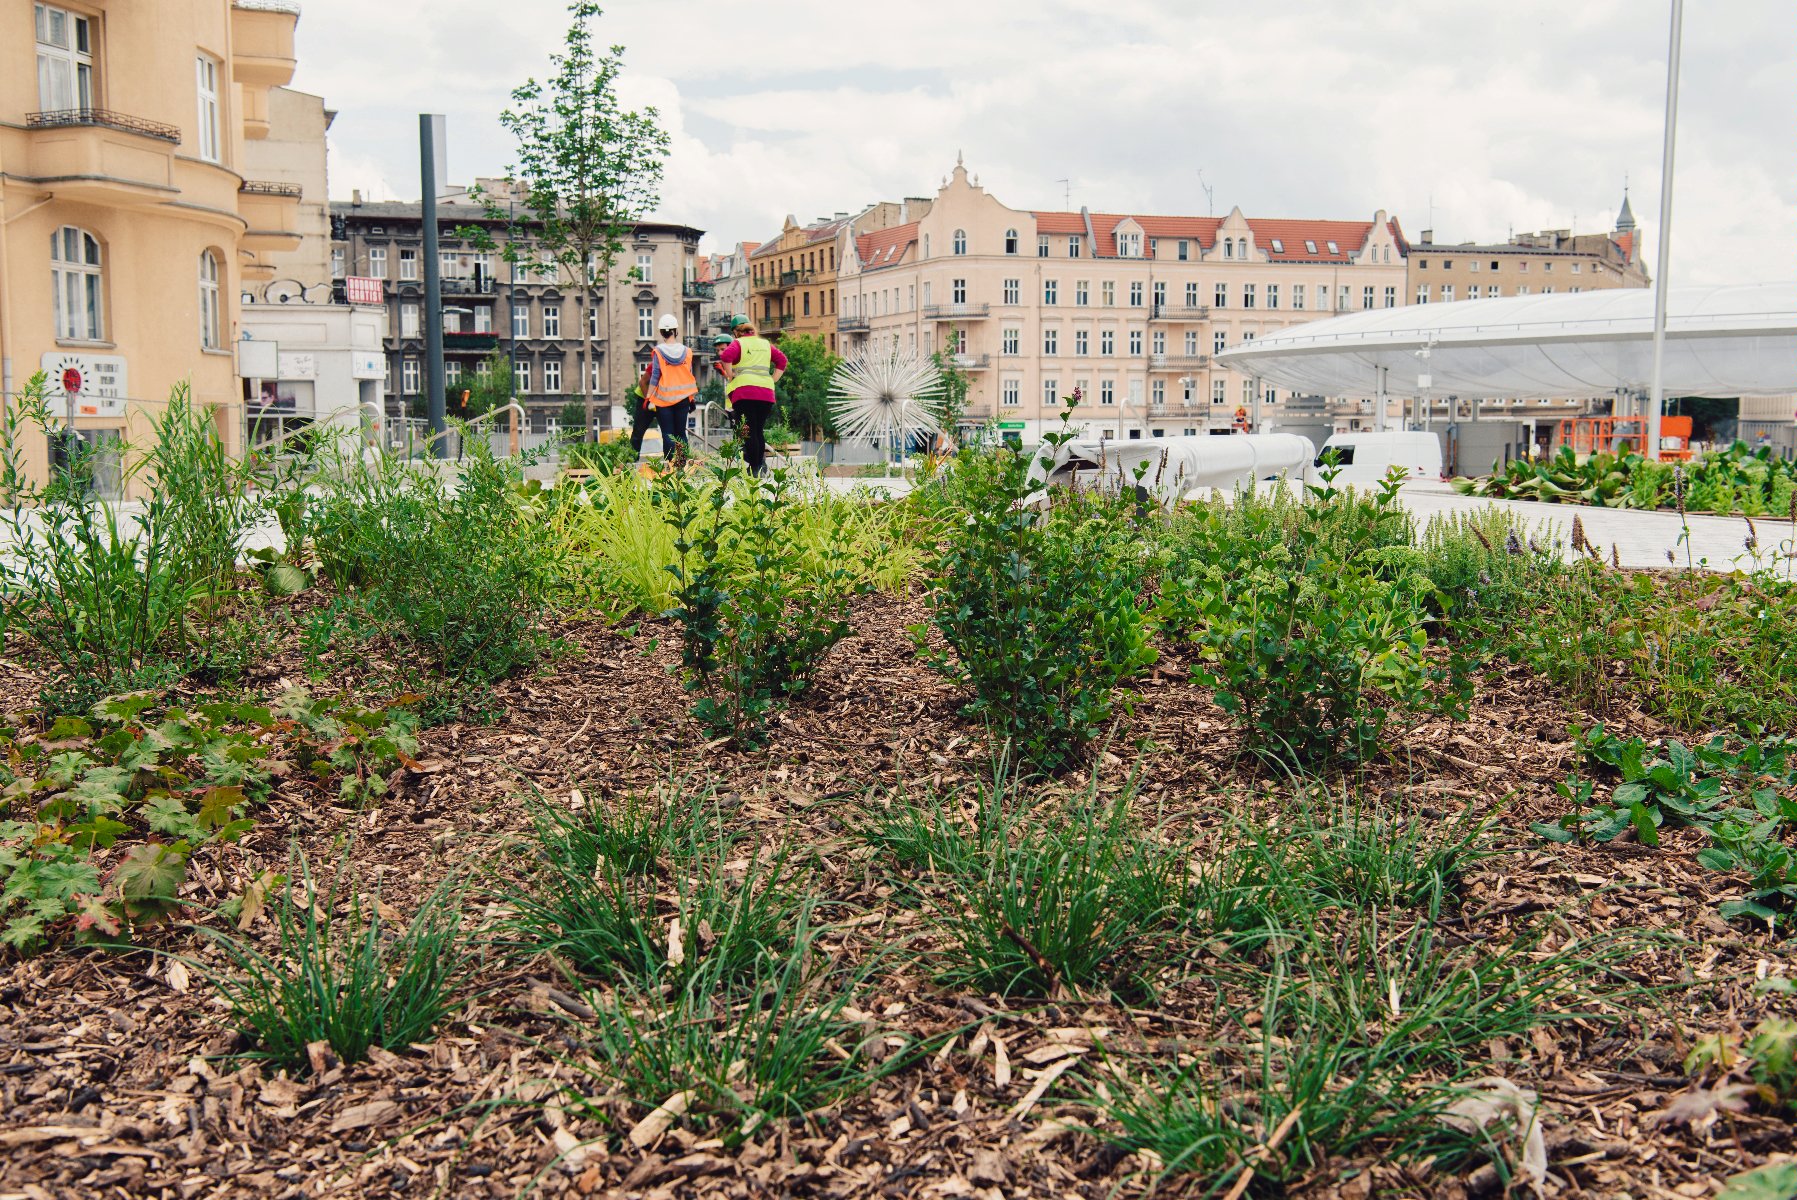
(1127, 309)
(730, 275)
(793, 279)
(130, 217)
(532, 316)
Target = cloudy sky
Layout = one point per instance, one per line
(1475, 116)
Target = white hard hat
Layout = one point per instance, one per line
(668, 321)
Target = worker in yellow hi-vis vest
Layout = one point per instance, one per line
(669, 386)
(753, 365)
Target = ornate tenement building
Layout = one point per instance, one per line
(539, 321)
(129, 221)
(1127, 308)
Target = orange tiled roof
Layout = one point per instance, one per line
(1059, 222)
(886, 246)
(1348, 236)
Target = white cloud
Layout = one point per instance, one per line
(1477, 117)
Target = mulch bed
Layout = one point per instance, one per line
(114, 1079)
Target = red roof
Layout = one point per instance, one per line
(886, 246)
(1059, 222)
(1348, 236)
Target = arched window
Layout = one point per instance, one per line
(926, 245)
(1010, 241)
(960, 244)
(76, 281)
(1228, 247)
(209, 306)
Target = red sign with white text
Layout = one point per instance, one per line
(362, 289)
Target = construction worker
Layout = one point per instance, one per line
(642, 416)
(752, 365)
(669, 386)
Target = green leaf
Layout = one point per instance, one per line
(23, 932)
(102, 832)
(69, 728)
(284, 579)
(1553, 833)
(168, 814)
(1645, 824)
(1716, 860)
(151, 871)
(1730, 909)
(218, 806)
(1775, 1182)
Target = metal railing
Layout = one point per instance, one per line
(699, 291)
(1177, 362)
(970, 362)
(268, 187)
(788, 278)
(851, 324)
(454, 340)
(478, 286)
(783, 321)
(105, 118)
(1179, 312)
(952, 312)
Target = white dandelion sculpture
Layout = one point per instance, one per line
(889, 399)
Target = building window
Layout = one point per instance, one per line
(645, 322)
(521, 376)
(1050, 292)
(1107, 391)
(1366, 297)
(1422, 293)
(1135, 294)
(1310, 247)
(1229, 248)
(1220, 297)
(1247, 392)
(409, 377)
(377, 262)
(337, 262)
(1129, 245)
(1341, 299)
(408, 320)
(552, 375)
(1013, 291)
(76, 277)
(1297, 295)
(1219, 341)
(1158, 392)
(1135, 343)
(1107, 343)
(1010, 241)
(1192, 343)
(483, 369)
(1051, 342)
(552, 322)
(1160, 295)
(1073, 245)
(1247, 295)
(1042, 245)
(1158, 344)
(1108, 291)
(957, 291)
(483, 319)
(1493, 291)
(1185, 250)
(1217, 393)
(408, 264)
(520, 322)
(1333, 248)
(1192, 295)
(206, 72)
(1475, 264)
(1051, 393)
(209, 301)
(1011, 393)
(1010, 341)
(65, 59)
(452, 372)
(1447, 293)
(1081, 296)
(1082, 342)
(959, 243)
(1272, 295)
(645, 268)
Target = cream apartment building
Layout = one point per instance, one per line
(1127, 308)
(129, 221)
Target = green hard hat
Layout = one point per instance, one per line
(722, 340)
(741, 319)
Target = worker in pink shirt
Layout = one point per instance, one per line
(752, 365)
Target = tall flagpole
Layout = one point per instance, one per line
(1656, 397)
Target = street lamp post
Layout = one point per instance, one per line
(1656, 399)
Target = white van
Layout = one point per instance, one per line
(1364, 458)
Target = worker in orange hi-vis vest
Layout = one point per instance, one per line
(669, 386)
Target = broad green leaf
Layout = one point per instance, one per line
(67, 729)
(1644, 824)
(284, 579)
(1775, 1182)
(1553, 833)
(151, 871)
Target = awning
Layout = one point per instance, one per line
(1739, 340)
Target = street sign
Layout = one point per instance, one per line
(95, 383)
(1010, 424)
(362, 289)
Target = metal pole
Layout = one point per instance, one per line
(1656, 399)
(433, 285)
(1379, 404)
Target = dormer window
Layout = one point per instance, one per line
(1278, 246)
(1228, 247)
(1310, 246)
(1334, 249)
(1010, 241)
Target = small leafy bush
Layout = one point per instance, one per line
(603, 458)
(1304, 638)
(341, 972)
(754, 636)
(1042, 613)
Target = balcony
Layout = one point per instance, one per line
(479, 285)
(95, 155)
(1178, 362)
(851, 324)
(271, 213)
(469, 343)
(956, 312)
(699, 291)
(262, 42)
(790, 278)
(970, 362)
(1180, 312)
(721, 321)
(782, 321)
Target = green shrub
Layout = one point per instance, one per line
(1305, 637)
(1042, 613)
(757, 614)
(603, 458)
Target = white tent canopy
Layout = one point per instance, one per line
(1720, 341)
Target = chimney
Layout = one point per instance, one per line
(841, 216)
(355, 196)
(1428, 237)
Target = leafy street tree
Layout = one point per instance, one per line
(489, 390)
(804, 390)
(589, 169)
(955, 382)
